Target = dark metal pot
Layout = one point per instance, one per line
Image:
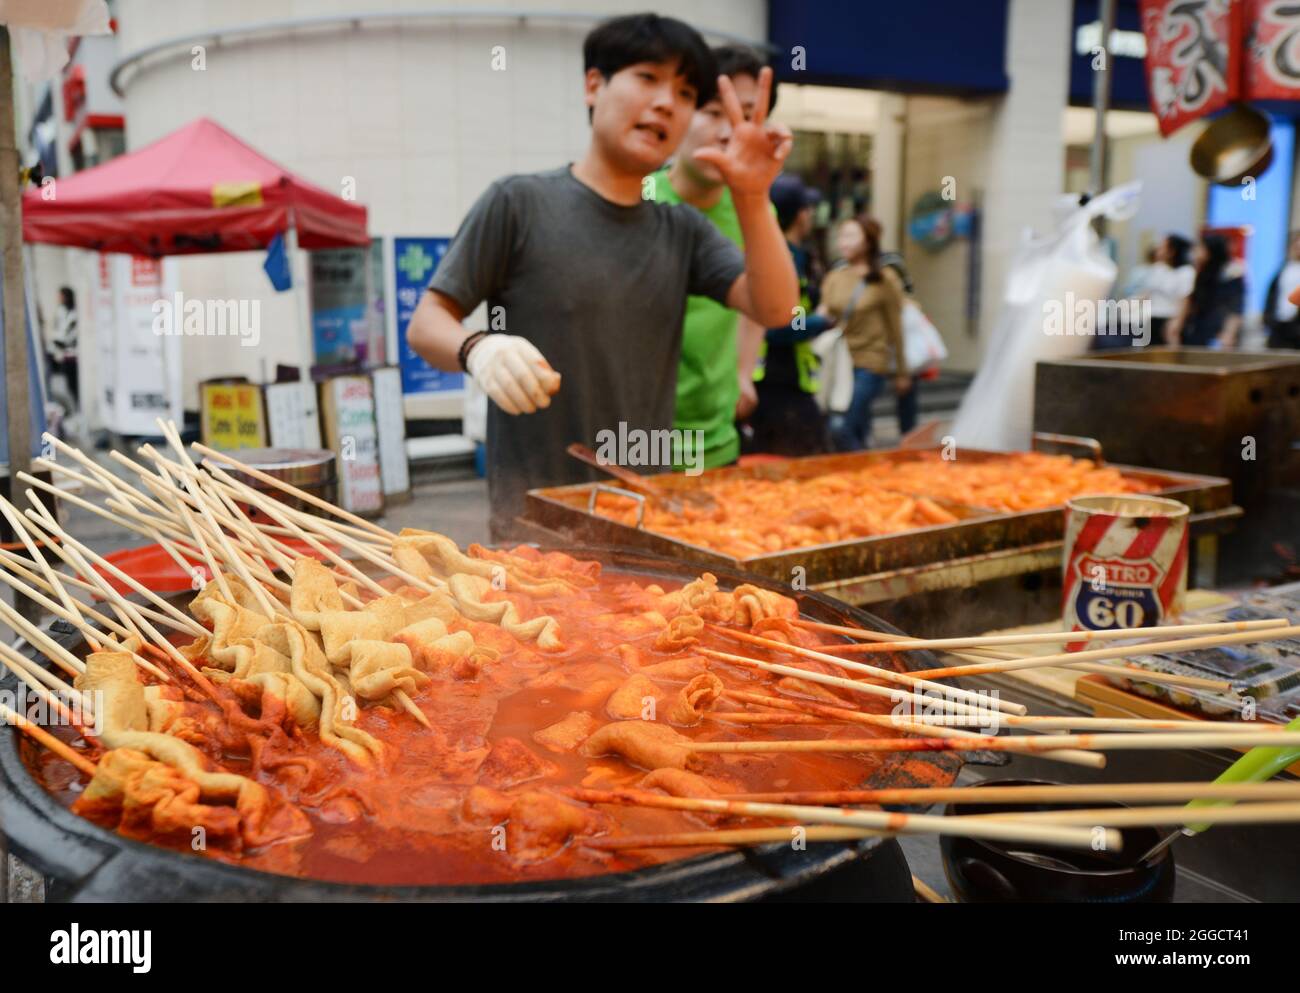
(85, 862)
(981, 871)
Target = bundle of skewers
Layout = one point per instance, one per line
(197, 513)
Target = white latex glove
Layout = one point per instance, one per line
(513, 373)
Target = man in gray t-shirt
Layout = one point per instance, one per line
(586, 283)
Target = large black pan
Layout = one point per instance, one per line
(86, 862)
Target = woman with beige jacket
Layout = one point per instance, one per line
(867, 302)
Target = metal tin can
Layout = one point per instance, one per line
(1125, 562)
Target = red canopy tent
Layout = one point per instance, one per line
(199, 189)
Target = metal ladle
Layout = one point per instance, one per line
(1235, 146)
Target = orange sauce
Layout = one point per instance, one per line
(404, 822)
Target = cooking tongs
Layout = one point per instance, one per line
(674, 503)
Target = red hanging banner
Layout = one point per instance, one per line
(1193, 58)
(1273, 50)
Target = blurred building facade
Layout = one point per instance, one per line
(950, 121)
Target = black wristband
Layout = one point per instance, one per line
(462, 355)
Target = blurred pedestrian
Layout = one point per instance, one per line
(866, 299)
(1167, 283)
(907, 403)
(786, 419)
(1281, 316)
(62, 347)
(1211, 315)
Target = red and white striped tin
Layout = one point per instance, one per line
(1125, 562)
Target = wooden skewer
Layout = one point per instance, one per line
(274, 509)
(401, 696)
(280, 484)
(16, 564)
(192, 483)
(239, 522)
(57, 654)
(270, 607)
(122, 518)
(1097, 654)
(53, 528)
(201, 543)
(100, 478)
(878, 820)
(892, 643)
(1254, 813)
(1019, 743)
(926, 892)
(14, 516)
(20, 664)
(1083, 793)
(1248, 813)
(748, 717)
(936, 723)
(980, 655)
(871, 689)
(150, 632)
(69, 610)
(13, 575)
(738, 837)
(99, 588)
(97, 640)
(125, 517)
(131, 520)
(328, 530)
(1092, 760)
(984, 701)
(45, 685)
(44, 737)
(254, 566)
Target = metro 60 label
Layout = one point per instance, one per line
(1116, 607)
(1118, 572)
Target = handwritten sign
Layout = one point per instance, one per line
(391, 423)
(292, 415)
(232, 416)
(348, 412)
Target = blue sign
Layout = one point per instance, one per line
(1114, 606)
(414, 260)
(1265, 212)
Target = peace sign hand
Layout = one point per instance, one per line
(757, 149)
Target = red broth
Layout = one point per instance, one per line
(406, 822)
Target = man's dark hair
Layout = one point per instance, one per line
(624, 41)
(1210, 274)
(1180, 250)
(741, 60)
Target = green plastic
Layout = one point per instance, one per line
(1257, 766)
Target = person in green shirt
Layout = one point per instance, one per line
(708, 376)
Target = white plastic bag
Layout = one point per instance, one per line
(41, 28)
(1050, 275)
(923, 346)
(835, 389)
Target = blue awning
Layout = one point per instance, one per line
(922, 46)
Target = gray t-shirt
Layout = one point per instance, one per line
(601, 290)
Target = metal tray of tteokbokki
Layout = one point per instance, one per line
(834, 517)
